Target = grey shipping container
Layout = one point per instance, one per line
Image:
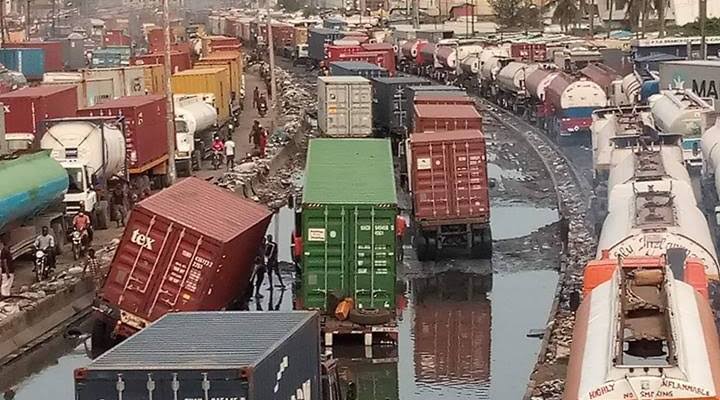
(702, 77)
(211, 355)
(390, 112)
(318, 38)
(357, 68)
(344, 106)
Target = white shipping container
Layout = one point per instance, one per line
(345, 106)
(702, 77)
(89, 91)
(127, 81)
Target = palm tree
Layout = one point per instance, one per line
(610, 18)
(659, 7)
(565, 13)
(581, 13)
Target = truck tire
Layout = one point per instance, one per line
(370, 316)
(481, 244)
(102, 215)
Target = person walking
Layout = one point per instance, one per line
(118, 202)
(271, 260)
(262, 142)
(230, 154)
(93, 265)
(255, 135)
(260, 269)
(256, 96)
(7, 269)
(564, 232)
(400, 228)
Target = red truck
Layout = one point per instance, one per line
(380, 58)
(449, 188)
(178, 253)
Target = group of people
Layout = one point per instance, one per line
(225, 148)
(266, 262)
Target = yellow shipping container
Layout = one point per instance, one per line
(231, 60)
(214, 81)
(154, 78)
(301, 35)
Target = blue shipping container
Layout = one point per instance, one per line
(30, 62)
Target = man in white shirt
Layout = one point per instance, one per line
(230, 154)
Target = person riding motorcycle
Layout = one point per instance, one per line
(218, 148)
(46, 243)
(81, 223)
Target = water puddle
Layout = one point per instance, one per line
(514, 220)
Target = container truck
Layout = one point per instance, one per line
(267, 355)
(179, 254)
(232, 60)
(31, 196)
(89, 91)
(127, 81)
(345, 106)
(215, 81)
(449, 188)
(193, 116)
(346, 226)
(390, 114)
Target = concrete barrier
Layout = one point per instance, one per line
(26, 326)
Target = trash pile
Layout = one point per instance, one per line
(28, 296)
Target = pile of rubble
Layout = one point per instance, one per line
(253, 178)
(549, 390)
(28, 296)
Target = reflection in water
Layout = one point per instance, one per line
(373, 380)
(514, 220)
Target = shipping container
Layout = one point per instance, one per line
(318, 38)
(379, 58)
(89, 91)
(448, 98)
(349, 206)
(357, 68)
(452, 328)
(53, 52)
(29, 62)
(116, 37)
(389, 106)
(449, 188)
(154, 78)
(231, 60)
(212, 43)
(127, 81)
(212, 355)
(345, 106)
(215, 81)
(156, 40)
(111, 57)
(411, 92)
(179, 61)
(702, 77)
(372, 378)
(300, 35)
(283, 35)
(74, 52)
(145, 128)
(438, 117)
(26, 108)
(178, 254)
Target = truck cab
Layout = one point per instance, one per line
(692, 155)
(81, 194)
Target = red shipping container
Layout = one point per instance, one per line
(452, 331)
(449, 177)
(145, 128)
(180, 61)
(436, 118)
(116, 37)
(333, 52)
(156, 40)
(178, 253)
(54, 60)
(431, 98)
(283, 35)
(230, 47)
(26, 108)
(380, 58)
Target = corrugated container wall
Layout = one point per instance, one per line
(318, 38)
(188, 256)
(30, 62)
(449, 179)
(345, 106)
(230, 60)
(211, 80)
(127, 81)
(389, 106)
(440, 117)
(53, 53)
(219, 355)
(154, 78)
(89, 91)
(357, 68)
(145, 128)
(179, 61)
(349, 207)
(74, 52)
(26, 108)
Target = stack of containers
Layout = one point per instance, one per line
(26, 108)
(232, 60)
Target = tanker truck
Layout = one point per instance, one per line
(31, 196)
(193, 116)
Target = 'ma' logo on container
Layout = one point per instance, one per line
(142, 240)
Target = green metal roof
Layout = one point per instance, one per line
(349, 171)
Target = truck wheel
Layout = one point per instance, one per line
(432, 248)
(420, 245)
(370, 316)
(481, 244)
(102, 215)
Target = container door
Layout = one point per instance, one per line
(325, 255)
(360, 110)
(372, 239)
(470, 187)
(431, 187)
(337, 110)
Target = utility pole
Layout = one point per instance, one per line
(472, 21)
(271, 57)
(703, 33)
(2, 22)
(54, 18)
(27, 19)
(170, 116)
(416, 14)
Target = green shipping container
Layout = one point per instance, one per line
(348, 222)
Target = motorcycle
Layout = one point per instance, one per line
(216, 160)
(78, 244)
(42, 267)
(262, 110)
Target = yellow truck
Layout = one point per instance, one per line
(212, 82)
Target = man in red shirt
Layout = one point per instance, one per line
(81, 223)
(400, 228)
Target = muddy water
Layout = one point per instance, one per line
(462, 328)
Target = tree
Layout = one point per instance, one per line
(659, 6)
(566, 12)
(610, 17)
(515, 13)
